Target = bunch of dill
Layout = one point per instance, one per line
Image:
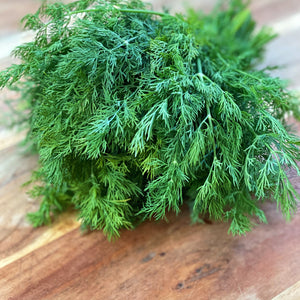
(134, 112)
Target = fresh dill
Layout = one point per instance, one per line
(135, 112)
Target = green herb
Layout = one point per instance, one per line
(135, 112)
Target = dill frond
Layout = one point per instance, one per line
(135, 112)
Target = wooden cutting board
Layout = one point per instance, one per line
(158, 260)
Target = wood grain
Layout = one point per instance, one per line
(165, 261)
(292, 293)
(158, 260)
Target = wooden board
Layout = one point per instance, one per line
(158, 260)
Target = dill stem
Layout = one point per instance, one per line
(199, 66)
(135, 11)
(212, 128)
(141, 11)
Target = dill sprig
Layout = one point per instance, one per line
(134, 112)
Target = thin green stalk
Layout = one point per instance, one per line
(212, 128)
(207, 106)
(126, 10)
